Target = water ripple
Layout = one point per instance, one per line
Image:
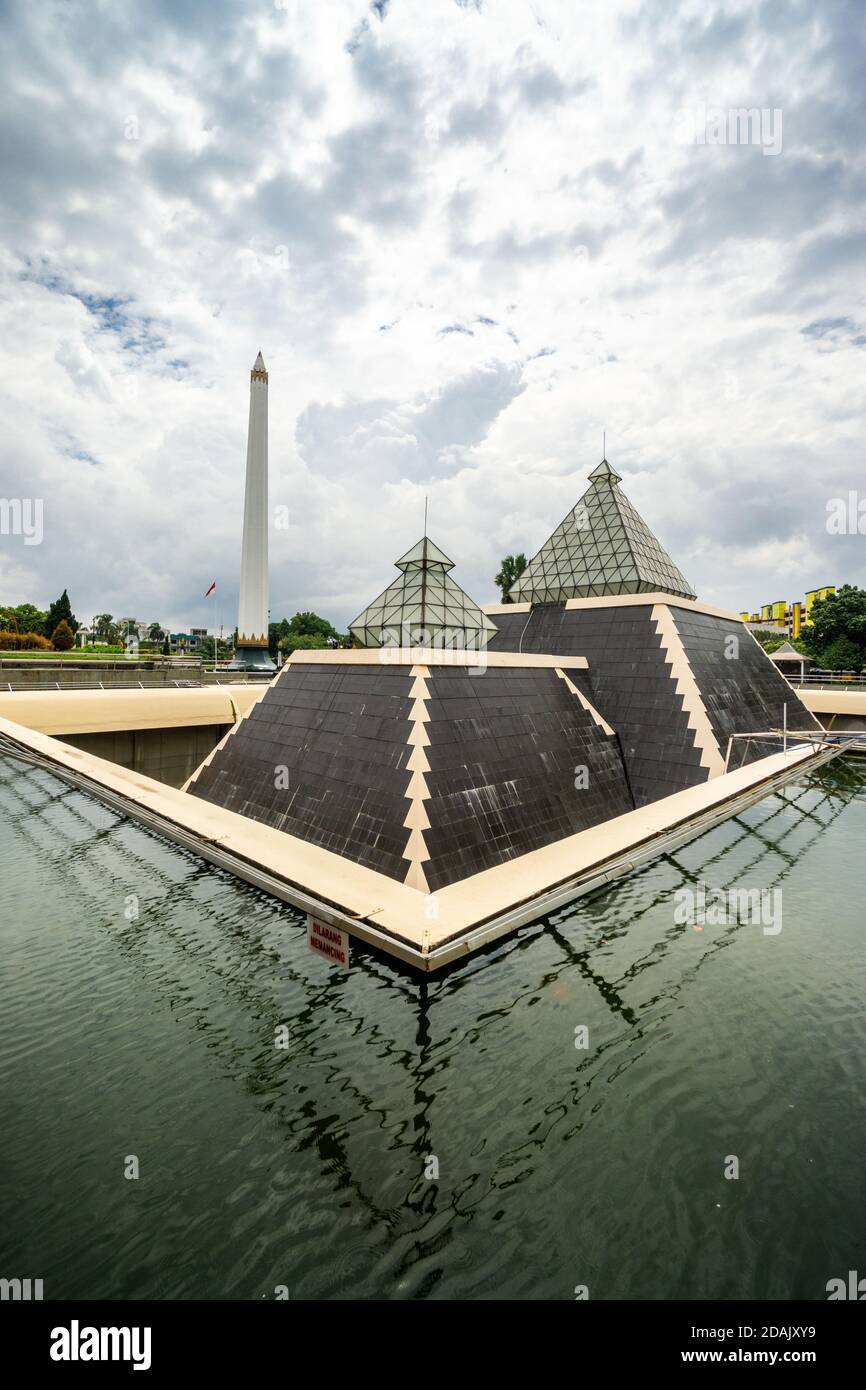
(436, 1138)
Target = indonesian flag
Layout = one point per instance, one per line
(211, 589)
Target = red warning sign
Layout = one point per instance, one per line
(328, 941)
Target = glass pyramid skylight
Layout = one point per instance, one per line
(602, 547)
(423, 608)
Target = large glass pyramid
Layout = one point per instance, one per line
(602, 547)
(423, 608)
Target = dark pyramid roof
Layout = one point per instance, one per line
(424, 774)
(424, 607)
(602, 547)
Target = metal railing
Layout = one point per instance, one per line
(798, 739)
(828, 678)
(827, 684)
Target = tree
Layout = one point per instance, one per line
(8, 621)
(304, 625)
(63, 637)
(510, 571)
(61, 611)
(841, 615)
(842, 655)
(276, 632)
(303, 642)
(222, 648)
(30, 619)
(311, 625)
(105, 628)
(166, 646)
(156, 632)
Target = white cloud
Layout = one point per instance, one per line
(467, 241)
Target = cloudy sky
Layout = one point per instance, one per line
(469, 236)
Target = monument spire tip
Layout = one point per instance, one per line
(259, 370)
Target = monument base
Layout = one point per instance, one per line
(254, 658)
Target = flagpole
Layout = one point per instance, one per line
(210, 591)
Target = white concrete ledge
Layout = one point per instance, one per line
(431, 656)
(117, 711)
(841, 701)
(622, 601)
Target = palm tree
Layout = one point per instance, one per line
(511, 570)
(105, 628)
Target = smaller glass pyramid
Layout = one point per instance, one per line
(602, 547)
(423, 608)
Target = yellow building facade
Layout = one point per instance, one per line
(792, 616)
(813, 595)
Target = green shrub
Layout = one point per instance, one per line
(842, 655)
(63, 637)
(24, 642)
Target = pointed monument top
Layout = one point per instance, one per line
(424, 555)
(259, 371)
(604, 470)
(602, 547)
(423, 607)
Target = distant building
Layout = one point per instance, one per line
(196, 640)
(788, 659)
(757, 623)
(813, 595)
(782, 616)
(132, 627)
(775, 612)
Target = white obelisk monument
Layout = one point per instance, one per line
(252, 647)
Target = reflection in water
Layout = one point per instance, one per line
(429, 1137)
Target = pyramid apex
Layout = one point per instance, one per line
(423, 607)
(604, 470)
(603, 547)
(259, 370)
(424, 555)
